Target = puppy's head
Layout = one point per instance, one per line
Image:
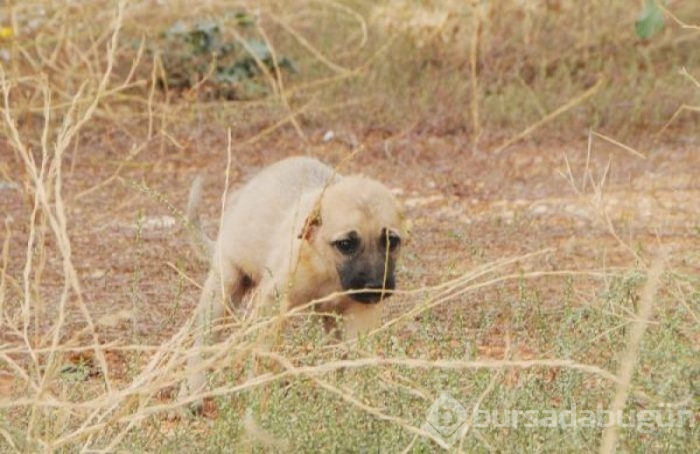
(359, 229)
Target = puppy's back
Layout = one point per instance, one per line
(256, 212)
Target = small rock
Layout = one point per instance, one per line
(97, 274)
(328, 136)
(158, 222)
(6, 185)
(421, 201)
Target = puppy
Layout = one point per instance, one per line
(295, 233)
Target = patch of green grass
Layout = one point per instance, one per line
(371, 406)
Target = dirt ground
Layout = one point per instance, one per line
(466, 208)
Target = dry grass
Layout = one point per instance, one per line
(93, 335)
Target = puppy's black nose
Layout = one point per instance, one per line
(376, 285)
(373, 291)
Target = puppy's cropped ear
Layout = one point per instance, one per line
(311, 225)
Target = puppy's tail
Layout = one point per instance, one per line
(202, 245)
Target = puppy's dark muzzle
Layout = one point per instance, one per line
(372, 292)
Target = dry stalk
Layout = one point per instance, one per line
(476, 11)
(630, 357)
(552, 115)
(3, 271)
(598, 200)
(46, 185)
(274, 77)
(310, 47)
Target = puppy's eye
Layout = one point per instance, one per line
(347, 246)
(392, 240)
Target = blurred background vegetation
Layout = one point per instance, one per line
(486, 69)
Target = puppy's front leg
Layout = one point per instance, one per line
(272, 301)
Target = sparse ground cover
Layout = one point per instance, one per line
(547, 157)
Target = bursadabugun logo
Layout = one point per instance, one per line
(446, 420)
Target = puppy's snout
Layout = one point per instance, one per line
(372, 291)
(369, 278)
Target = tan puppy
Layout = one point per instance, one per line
(295, 233)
